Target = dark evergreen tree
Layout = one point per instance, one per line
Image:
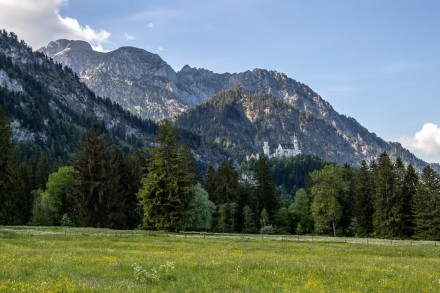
(167, 187)
(42, 171)
(93, 180)
(426, 206)
(210, 182)
(346, 200)
(409, 190)
(134, 170)
(265, 190)
(363, 202)
(226, 184)
(387, 203)
(11, 212)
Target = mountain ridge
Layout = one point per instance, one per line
(145, 84)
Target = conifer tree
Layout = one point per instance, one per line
(363, 202)
(427, 206)
(167, 188)
(265, 189)
(10, 205)
(93, 180)
(387, 204)
(409, 190)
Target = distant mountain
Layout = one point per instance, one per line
(146, 85)
(240, 122)
(50, 108)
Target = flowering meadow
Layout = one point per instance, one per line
(102, 260)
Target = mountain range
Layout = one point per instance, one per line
(235, 111)
(50, 108)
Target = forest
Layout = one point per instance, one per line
(160, 188)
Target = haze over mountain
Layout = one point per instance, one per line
(146, 85)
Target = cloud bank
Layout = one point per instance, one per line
(39, 22)
(426, 141)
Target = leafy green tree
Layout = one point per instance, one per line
(91, 163)
(301, 213)
(328, 184)
(387, 200)
(281, 221)
(427, 206)
(53, 203)
(198, 214)
(167, 187)
(363, 202)
(264, 218)
(10, 193)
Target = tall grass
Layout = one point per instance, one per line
(102, 260)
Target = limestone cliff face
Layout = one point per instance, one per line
(146, 85)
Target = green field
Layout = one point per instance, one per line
(100, 260)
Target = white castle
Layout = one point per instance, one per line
(283, 150)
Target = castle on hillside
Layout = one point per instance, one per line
(283, 150)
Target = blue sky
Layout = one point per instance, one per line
(376, 61)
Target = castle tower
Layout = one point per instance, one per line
(295, 143)
(266, 149)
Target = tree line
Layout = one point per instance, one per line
(160, 188)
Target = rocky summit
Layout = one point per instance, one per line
(147, 86)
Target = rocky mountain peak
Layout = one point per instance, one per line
(59, 46)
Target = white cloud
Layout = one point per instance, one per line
(426, 141)
(160, 49)
(128, 37)
(39, 22)
(151, 26)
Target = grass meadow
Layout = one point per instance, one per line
(100, 260)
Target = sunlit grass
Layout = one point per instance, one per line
(100, 260)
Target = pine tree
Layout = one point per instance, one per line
(226, 184)
(93, 181)
(265, 189)
(387, 204)
(363, 202)
(167, 188)
(427, 206)
(409, 190)
(11, 212)
(210, 181)
(346, 199)
(43, 171)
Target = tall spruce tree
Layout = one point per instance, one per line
(427, 206)
(387, 203)
(363, 202)
(409, 190)
(93, 180)
(265, 189)
(167, 188)
(11, 212)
